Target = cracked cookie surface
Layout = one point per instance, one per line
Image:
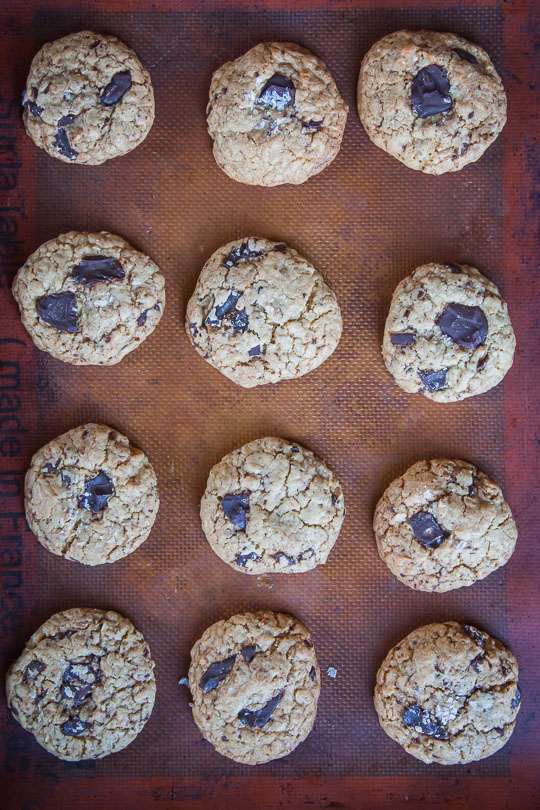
(255, 683)
(89, 298)
(84, 684)
(87, 99)
(448, 693)
(90, 495)
(261, 313)
(448, 334)
(432, 100)
(272, 507)
(442, 525)
(275, 115)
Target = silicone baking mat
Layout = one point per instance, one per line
(366, 222)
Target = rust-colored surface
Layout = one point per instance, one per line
(366, 222)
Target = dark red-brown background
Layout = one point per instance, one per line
(365, 222)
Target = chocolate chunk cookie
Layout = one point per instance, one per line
(90, 495)
(448, 693)
(432, 100)
(443, 525)
(275, 115)
(448, 334)
(255, 684)
(272, 507)
(89, 298)
(260, 313)
(87, 99)
(84, 684)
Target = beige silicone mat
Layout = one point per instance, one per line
(365, 222)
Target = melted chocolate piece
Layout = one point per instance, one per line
(434, 380)
(66, 480)
(255, 351)
(141, 320)
(216, 673)
(221, 311)
(236, 505)
(96, 493)
(74, 727)
(92, 269)
(242, 559)
(291, 560)
(240, 321)
(117, 88)
(335, 499)
(476, 661)
(427, 531)
(280, 248)
(313, 673)
(31, 105)
(466, 326)
(59, 310)
(475, 634)
(482, 362)
(63, 145)
(312, 126)
(418, 717)
(33, 669)
(402, 339)
(79, 679)
(466, 55)
(248, 652)
(66, 120)
(516, 700)
(278, 93)
(241, 253)
(257, 718)
(51, 468)
(454, 268)
(430, 92)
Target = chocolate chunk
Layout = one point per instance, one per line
(257, 718)
(290, 560)
(51, 468)
(224, 309)
(482, 362)
(255, 351)
(235, 505)
(466, 326)
(454, 268)
(434, 380)
(278, 93)
(242, 559)
(63, 145)
(59, 310)
(66, 480)
(241, 253)
(516, 700)
(428, 724)
(66, 120)
(280, 248)
(427, 531)
(31, 105)
(466, 55)
(313, 673)
(311, 126)
(74, 727)
(141, 320)
(476, 661)
(475, 634)
(471, 490)
(430, 92)
(33, 669)
(92, 269)
(240, 321)
(402, 339)
(248, 652)
(96, 493)
(117, 88)
(216, 673)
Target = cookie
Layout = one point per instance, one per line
(90, 495)
(84, 684)
(89, 298)
(448, 693)
(448, 334)
(87, 99)
(443, 525)
(275, 115)
(272, 507)
(260, 313)
(432, 100)
(255, 684)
